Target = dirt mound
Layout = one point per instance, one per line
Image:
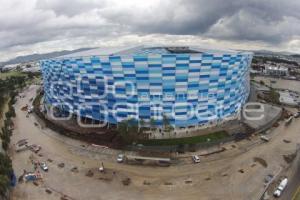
(289, 158)
(260, 161)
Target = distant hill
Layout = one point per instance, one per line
(36, 57)
(296, 55)
(283, 53)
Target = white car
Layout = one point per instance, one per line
(196, 159)
(44, 166)
(296, 115)
(264, 138)
(120, 158)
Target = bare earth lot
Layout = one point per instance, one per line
(233, 174)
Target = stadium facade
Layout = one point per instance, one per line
(189, 86)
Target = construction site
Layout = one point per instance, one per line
(259, 161)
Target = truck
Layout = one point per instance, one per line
(282, 185)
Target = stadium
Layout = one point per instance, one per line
(188, 86)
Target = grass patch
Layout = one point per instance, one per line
(5, 75)
(187, 140)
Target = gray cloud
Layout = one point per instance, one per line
(70, 7)
(261, 20)
(269, 22)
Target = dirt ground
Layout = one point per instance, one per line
(233, 174)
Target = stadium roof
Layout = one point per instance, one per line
(142, 50)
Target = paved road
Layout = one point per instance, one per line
(294, 182)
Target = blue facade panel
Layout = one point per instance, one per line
(155, 84)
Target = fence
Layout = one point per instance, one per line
(179, 147)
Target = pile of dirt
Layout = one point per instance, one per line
(89, 173)
(61, 165)
(126, 181)
(146, 183)
(289, 158)
(48, 191)
(286, 141)
(261, 161)
(75, 170)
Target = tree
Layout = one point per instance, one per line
(133, 129)
(142, 123)
(274, 96)
(5, 172)
(166, 123)
(142, 126)
(180, 148)
(152, 123)
(4, 184)
(129, 130)
(122, 127)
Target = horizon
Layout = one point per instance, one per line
(90, 48)
(43, 26)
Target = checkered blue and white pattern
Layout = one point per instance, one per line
(187, 88)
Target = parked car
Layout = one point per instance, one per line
(30, 177)
(44, 167)
(196, 158)
(120, 158)
(264, 138)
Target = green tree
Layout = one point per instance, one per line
(142, 125)
(262, 82)
(133, 129)
(129, 130)
(274, 96)
(5, 172)
(166, 123)
(4, 185)
(123, 127)
(152, 123)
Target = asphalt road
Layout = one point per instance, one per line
(294, 182)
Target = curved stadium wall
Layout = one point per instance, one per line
(190, 89)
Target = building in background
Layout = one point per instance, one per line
(276, 70)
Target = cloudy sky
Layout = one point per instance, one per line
(39, 26)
